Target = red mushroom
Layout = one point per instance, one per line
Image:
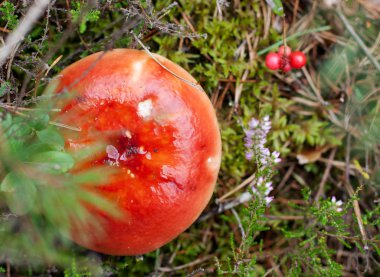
(162, 139)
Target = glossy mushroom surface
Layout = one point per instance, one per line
(161, 138)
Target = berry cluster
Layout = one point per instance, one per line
(285, 59)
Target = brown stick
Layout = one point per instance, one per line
(325, 175)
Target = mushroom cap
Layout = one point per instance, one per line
(161, 138)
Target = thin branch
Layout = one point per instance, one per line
(325, 175)
(243, 198)
(164, 67)
(243, 235)
(356, 205)
(34, 12)
(239, 187)
(54, 123)
(292, 37)
(351, 30)
(193, 263)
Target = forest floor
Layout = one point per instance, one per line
(324, 219)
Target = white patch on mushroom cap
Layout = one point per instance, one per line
(141, 150)
(127, 134)
(137, 70)
(213, 163)
(148, 156)
(144, 108)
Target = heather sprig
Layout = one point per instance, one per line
(263, 188)
(255, 142)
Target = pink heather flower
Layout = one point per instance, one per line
(253, 123)
(255, 141)
(248, 142)
(266, 152)
(263, 161)
(338, 204)
(275, 157)
(267, 126)
(249, 155)
(249, 133)
(268, 187)
(258, 190)
(268, 199)
(254, 190)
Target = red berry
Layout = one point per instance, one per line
(297, 59)
(272, 61)
(284, 64)
(286, 67)
(284, 51)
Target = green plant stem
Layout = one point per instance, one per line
(284, 32)
(294, 36)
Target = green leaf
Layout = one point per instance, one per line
(54, 161)
(82, 27)
(18, 129)
(96, 176)
(40, 122)
(293, 234)
(8, 13)
(20, 193)
(52, 137)
(276, 6)
(15, 145)
(7, 121)
(35, 149)
(4, 87)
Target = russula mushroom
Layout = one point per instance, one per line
(161, 137)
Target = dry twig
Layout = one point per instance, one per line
(15, 37)
(362, 45)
